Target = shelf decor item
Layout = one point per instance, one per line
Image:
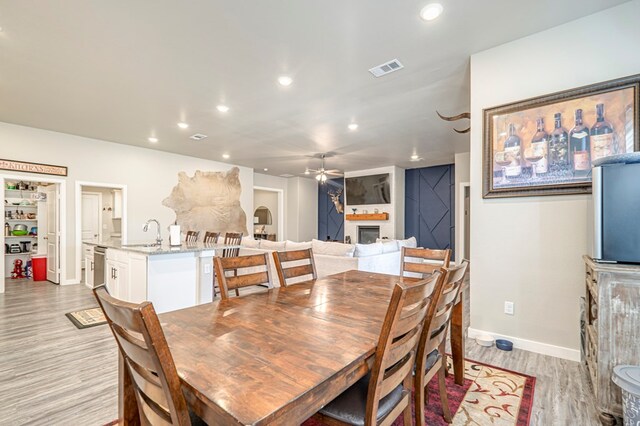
(546, 145)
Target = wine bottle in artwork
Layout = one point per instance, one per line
(601, 136)
(540, 146)
(579, 148)
(558, 147)
(513, 151)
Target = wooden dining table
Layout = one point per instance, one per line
(278, 356)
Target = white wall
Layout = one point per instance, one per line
(462, 175)
(528, 250)
(269, 200)
(302, 209)
(392, 228)
(149, 175)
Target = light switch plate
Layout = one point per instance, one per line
(207, 269)
(508, 308)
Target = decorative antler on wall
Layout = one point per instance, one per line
(464, 115)
(335, 198)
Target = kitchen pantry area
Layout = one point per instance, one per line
(31, 234)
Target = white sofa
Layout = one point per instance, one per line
(331, 257)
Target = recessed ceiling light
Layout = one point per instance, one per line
(226, 156)
(307, 172)
(265, 169)
(285, 80)
(183, 125)
(414, 157)
(153, 140)
(431, 11)
(222, 108)
(353, 126)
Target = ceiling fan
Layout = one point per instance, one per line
(323, 174)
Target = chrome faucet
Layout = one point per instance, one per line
(146, 228)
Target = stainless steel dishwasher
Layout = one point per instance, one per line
(99, 253)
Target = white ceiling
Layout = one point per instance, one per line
(125, 70)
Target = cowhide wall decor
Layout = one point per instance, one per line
(208, 201)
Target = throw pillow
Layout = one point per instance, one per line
(292, 245)
(332, 248)
(409, 242)
(389, 246)
(372, 249)
(248, 242)
(272, 245)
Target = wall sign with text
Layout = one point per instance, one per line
(43, 169)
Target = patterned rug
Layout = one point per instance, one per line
(489, 396)
(86, 318)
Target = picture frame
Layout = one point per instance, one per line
(525, 153)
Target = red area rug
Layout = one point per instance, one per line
(489, 396)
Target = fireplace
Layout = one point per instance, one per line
(368, 234)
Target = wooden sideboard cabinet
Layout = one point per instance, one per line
(612, 329)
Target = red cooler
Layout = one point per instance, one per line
(39, 265)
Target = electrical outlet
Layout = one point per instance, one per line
(207, 269)
(508, 308)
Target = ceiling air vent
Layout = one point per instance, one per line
(386, 68)
(197, 137)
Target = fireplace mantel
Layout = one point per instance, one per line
(368, 216)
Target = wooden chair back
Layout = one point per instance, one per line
(192, 236)
(396, 350)
(439, 317)
(232, 238)
(226, 265)
(147, 358)
(435, 259)
(287, 273)
(211, 237)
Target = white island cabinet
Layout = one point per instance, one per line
(170, 277)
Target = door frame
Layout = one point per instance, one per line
(280, 234)
(78, 201)
(62, 242)
(460, 243)
(99, 213)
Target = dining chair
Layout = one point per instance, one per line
(232, 239)
(211, 237)
(380, 396)
(431, 358)
(292, 266)
(148, 360)
(192, 236)
(258, 274)
(423, 260)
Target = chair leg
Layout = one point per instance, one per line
(419, 394)
(408, 416)
(442, 385)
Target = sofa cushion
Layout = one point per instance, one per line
(372, 249)
(292, 245)
(332, 248)
(389, 246)
(272, 245)
(409, 242)
(249, 242)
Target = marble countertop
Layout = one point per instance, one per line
(147, 248)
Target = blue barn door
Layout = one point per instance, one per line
(429, 206)
(330, 222)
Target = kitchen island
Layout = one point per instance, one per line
(171, 277)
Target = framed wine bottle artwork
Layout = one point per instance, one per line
(546, 145)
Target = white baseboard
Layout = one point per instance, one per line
(532, 346)
(70, 282)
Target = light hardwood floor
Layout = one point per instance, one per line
(52, 373)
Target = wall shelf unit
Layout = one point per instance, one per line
(368, 216)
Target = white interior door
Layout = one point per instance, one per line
(91, 216)
(53, 233)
